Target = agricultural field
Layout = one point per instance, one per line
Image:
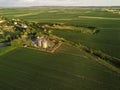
(27, 69)
(69, 67)
(107, 40)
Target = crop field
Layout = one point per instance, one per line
(69, 68)
(26, 69)
(107, 40)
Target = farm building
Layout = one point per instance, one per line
(15, 23)
(40, 42)
(24, 26)
(45, 44)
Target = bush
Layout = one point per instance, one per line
(16, 43)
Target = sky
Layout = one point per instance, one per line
(20, 3)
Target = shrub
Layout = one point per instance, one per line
(16, 43)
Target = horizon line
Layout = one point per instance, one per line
(58, 6)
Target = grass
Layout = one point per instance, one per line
(26, 69)
(6, 50)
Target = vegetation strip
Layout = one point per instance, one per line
(109, 61)
(6, 50)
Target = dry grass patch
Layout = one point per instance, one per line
(98, 18)
(27, 14)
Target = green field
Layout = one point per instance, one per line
(69, 68)
(26, 69)
(107, 40)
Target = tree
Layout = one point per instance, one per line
(16, 43)
(8, 37)
(38, 34)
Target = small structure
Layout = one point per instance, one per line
(39, 42)
(2, 21)
(15, 23)
(45, 44)
(42, 42)
(24, 26)
(8, 28)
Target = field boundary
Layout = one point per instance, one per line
(98, 59)
(103, 62)
(6, 50)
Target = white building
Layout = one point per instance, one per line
(45, 44)
(24, 26)
(42, 43)
(15, 23)
(39, 42)
(2, 21)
